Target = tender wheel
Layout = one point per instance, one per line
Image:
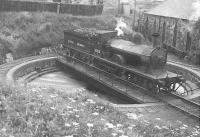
(91, 61)
(67, 52)
(106, 55)
(72, 53)
(119, 59)
(135, 79)
(145, 83)
(123, 74)
(87, 58)
(149, 85)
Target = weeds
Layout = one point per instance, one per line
(27, 32)
(38, 112)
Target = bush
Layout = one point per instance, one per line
(32, 31)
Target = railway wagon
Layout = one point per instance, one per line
(141, 65)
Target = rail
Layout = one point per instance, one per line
(187, 106)
(29, 66)
(22, 60)
(197, 68)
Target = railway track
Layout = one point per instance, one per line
(22, 60)
(184, 105)
(4, 68)
(191, 107)
(197, 100)
(7, 66)
(196, 68)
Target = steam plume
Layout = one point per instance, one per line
(122, 28)
(120, 25)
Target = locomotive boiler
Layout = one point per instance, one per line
(127, 53)
(142, 65)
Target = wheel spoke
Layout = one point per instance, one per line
(177, 87)
(185, 89)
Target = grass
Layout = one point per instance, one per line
(25, 32)
(40, 111)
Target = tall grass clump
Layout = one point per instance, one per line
(26, 32)
(41, 111)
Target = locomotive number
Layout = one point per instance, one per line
(80, 45)
(97, 51)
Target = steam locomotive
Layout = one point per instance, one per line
(142, 65)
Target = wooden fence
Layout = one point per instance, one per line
(29, 6)
(79, 9)
(175, 34)
(172, 31)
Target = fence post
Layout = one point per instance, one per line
(175, 34)
(112, 80)
(126, 86)
(58, 8)
(163, 32)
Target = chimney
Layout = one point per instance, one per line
(156, 39)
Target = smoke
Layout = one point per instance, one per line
(196, 10)
(122, 28)
(119, 27)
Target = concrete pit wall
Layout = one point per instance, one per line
(29, 67)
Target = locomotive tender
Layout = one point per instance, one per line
(142, 65)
